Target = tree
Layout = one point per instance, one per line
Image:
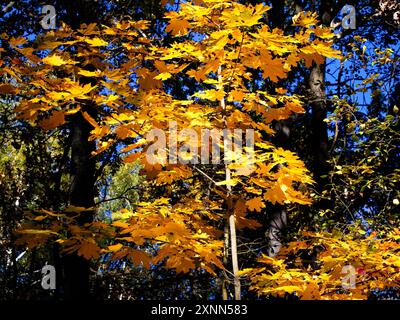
(130, 90)
(226, 76)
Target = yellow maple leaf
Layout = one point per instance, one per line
(163, 76)
(177, 26)
(230, 182)
(96, 42)
(78, 91)
(55, 60)
(243, 16)
(138, 257)
(87, 73)
(14, 42)
(272, 68)
(115, 247)
(37, 231)
(305, 19)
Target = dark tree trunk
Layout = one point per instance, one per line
(76, 268)
(277, 218)
(75, 278)
(319, 142)
(277, 223)
(319, 105)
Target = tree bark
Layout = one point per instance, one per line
(76, 268)
(319, 105)
(277, 224)
(235, 262)
(277, 218)
(319, 141)
(230, 211)
(225, 261)
(82, 171)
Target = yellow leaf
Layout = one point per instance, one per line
(305, 19)
(245, 271)
(96, 42)
(115, 247)
(76, 209)
(39, 218)
(243, 16)
(311, 292)
(288, 289)
(87, 73)
(56, 60)
(163, 76)
(232, 182)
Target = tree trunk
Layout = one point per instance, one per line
(82, 172)
(229, 205)
(277, 217)
(76, 268)
(277, 224)
(319, 141)
(225, 261)
(235, 263)
(319, 105)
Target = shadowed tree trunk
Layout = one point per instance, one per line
(76, 268)
(82, 172)
(319, 138)
(277, 223)
(277, 219)
(319, 106)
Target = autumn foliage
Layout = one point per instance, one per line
(120, 79)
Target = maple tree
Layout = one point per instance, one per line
(374, 259)
(118, 79)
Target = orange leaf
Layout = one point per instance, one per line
(90, 119)
(255, 204)
(55, 120)
(178, 27)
